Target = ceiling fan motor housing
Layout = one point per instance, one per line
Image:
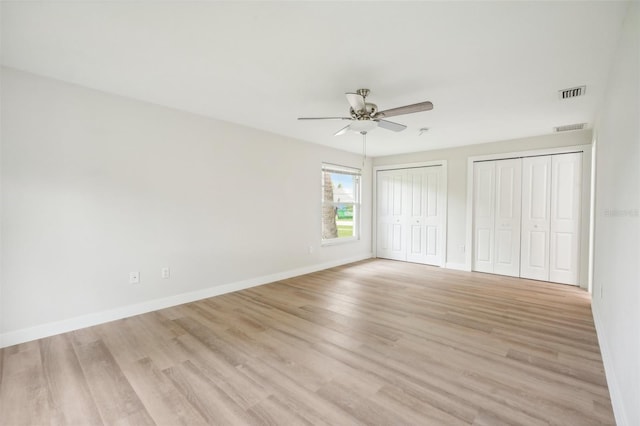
(370, 111)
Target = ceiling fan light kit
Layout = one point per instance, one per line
(363, 125)
(365, 116)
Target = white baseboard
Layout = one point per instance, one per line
(50, 329)
(457, 266)
(614, 389)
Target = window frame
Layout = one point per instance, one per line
(356, 203)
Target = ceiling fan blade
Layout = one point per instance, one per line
(390, 125)
(324, 118)
(342, 131)
(356, 101)
(407, 109)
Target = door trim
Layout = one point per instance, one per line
(443, 164)
(586, 163)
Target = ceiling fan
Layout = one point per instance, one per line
(364, 116)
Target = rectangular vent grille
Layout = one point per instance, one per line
(572, 92)
(570, 127)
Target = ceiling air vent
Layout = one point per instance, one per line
(572, 92)
(570, 127)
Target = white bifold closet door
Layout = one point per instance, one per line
(410, 214)
(497, 190)
(391, 215)
(536, 217)
(552, 186)
(564, 244)
(526, 216)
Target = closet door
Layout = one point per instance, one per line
(425, 198)
(391, 215)
(536, 212)
(434, 215)
(566, 188)
(410, 214)
(507, 217)
(416, 229)
(483, 215)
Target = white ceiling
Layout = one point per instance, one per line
(491, 69)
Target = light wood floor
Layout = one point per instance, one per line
(376, 342)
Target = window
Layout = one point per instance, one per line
(340, 203)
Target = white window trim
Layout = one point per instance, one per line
(357, 205)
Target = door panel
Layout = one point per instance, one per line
(426, 188)
(562, 262)
(484, 215)
(434, 191)
(390, 215)
(538, 250)
(566, 189)
(397, 207)
(507, 217)
(432, 241)
(383, 237)
(483, 253)
(416, 183)
(434, 215)
(415, 179)
(504, 248)
(416, 240)
(396, 237)
(536, 210)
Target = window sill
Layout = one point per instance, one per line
(338, 241)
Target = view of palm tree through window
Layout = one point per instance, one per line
(340, 202)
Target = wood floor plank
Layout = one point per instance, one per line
(69, 395)
(116, 400)
(422, 411)
(165, 404)
(205, 396)
(24, 397)
(294, 395)
(271, 411)
(140, 337)
(374, 342)
(361, 407)
(431, 392)
(243, 391)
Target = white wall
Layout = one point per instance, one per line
(616, 275)
(96, 186)
(457, 178)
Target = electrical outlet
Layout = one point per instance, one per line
(462, 248)
(134, 277)
(165, 273)
(310, 249)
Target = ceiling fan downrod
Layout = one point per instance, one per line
(364, 147)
